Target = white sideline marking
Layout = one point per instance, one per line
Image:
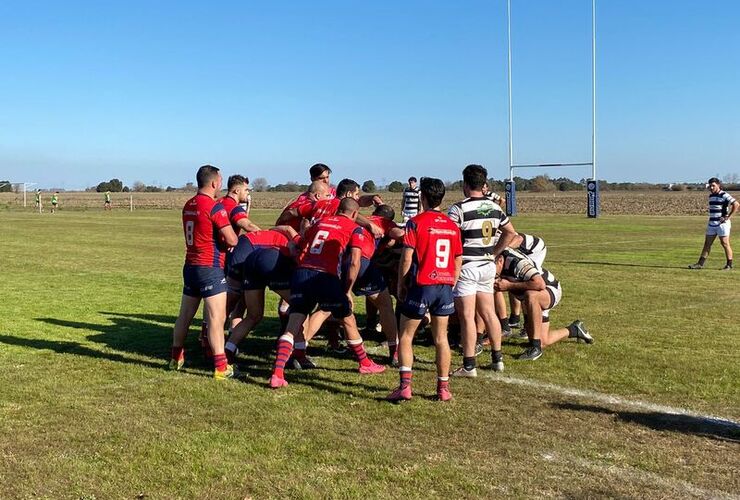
(614, 400)
(640, 476)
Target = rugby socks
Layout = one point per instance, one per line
(443, 383)
(537, 343)
(392, 348)
(359, 349)
(178, 353)
(284, 349)
(404, 373)
(469, 363)
(497, 356)
(729, 262)
(505, 328)
(701, 261)
(514, 319)
(299, 351)
(230, 351)
(219, 362)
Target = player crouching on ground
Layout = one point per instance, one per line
(539, 292)
(208, 234)
(316, 281)
(433, 245)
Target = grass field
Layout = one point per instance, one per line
(87, 409)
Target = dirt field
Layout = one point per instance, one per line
(612, 202)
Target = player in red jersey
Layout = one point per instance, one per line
(364, 278)
(318, 173)
(208, 234)
(317, 282)
(261, 259)
(431, 262)
(317, 191)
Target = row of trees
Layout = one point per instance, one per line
(539, 184)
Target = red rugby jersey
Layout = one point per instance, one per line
(303, 198)
(202, 217)
(436, 242)
(234, 210)
(322, 208)
(325, 242)
(363, 240)
(269, 238)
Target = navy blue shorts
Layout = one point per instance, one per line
(266, 266)
(435, 299)
(309, 288)
(370, 280)
(203, 281)
(236, 258)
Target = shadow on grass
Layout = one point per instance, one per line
(618, 264)
(724, 430)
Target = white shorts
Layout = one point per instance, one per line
(721, 230)
(475, 278)
(556, 293)
(409, 215)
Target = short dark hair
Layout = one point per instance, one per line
(385, 211)
(317, 170)
(346, 186)
(475, 176)
(348, 205)
(235, 180)
(433, 190)
(412, 179)
(206, 174)
(715, 180)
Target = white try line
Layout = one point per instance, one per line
(615, 400)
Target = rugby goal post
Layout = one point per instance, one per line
(592, 185)
(24, 186)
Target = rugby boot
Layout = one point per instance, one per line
(277, 382)
(577, 330)
(401, 393)
(371, 368)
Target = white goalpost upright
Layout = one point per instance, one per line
(592, 184)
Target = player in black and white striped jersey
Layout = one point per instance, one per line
(722, 206)
(411, 204)
(479, 220)
(539, 291)
(533, 247)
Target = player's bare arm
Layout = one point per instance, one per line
(229, 236)
(404, 267)
(536, 284)
(731, 210)
(374, 229)
(247, 225)
(508, 233)
(286, 216)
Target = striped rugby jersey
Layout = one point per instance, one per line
(494, 197)
(719, 206)
(532, 246)
(519, 267)
(411, 200)
(479, 220)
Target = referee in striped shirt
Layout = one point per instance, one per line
(722, 206)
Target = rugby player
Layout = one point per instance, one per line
(429, 268)
(208, 234)
(533, 247)
(317, 191)
(316, 281)
(539, 292)
(722, 206)
(106, 204)
(365, 279)
(410, 200)
(321, 173)
(54, 201)
(260, 259)
(479, 219)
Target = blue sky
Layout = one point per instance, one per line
(378, 90)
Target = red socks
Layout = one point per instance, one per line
(284, 349)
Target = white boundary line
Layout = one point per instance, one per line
(614, 400)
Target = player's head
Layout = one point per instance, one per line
(385, 211)
(318, 190)
(349, 207)
(347, 188)
(319, 172)
(432, 192)
(475, 178)
(238, 185)
(209, 177)
(714, 185)
(412, 182)
(499, 264)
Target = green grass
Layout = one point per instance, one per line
(87, 409)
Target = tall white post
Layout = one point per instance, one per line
(593, 89)
(131, 202)
(24, 195)
(511, 132)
